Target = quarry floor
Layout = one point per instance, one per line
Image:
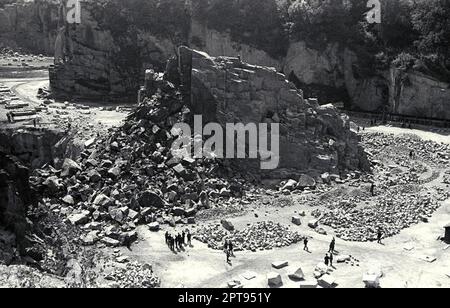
(201, 267)
(400, 257)
(93, 118)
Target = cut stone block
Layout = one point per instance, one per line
(295, 272)
(274, 279)
(308, 284)
(296, 220)
(280, 264)
(371, 281)
(343, 259)
(327, 281)
(154, 226)
(313, 223)
(249, 275)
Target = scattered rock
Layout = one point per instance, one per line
(227, 225)
(280, 264)
(274, 279)
(296, 220)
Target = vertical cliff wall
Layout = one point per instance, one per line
(30, 25)
(105, 56)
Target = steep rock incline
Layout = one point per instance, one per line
(30, 25)
(312, 137)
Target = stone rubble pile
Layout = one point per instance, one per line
(397, 149)
(264, 235)
(130, 177)
(134, 275)
(391, 213)
(400, 200)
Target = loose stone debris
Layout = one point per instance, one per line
(259, 236)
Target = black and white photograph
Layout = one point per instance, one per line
(248, 146)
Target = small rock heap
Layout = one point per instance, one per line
(263, 235)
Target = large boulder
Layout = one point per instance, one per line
(274, 279)
(295, 272)
(306, 181)
(151, 199)
(227, 225)
(69, 168)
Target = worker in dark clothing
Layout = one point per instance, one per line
(228, 254)
(231, 248)
(225, 246)
(180, 241)
(305, 242)
(183, 236)
(372, 189)
(379, 236)
(327, 260)
(166, 235)
(331, 259)
(411, 154)
(189, 238)
(332, 246)
(170, 242)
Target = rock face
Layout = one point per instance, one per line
(15, 195)
(100, 59)
(332, 74)
(227, 90)
(416, 94)
(106, 55)
(31, 25)
(35, 148)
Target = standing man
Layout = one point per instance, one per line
(379, 236)
(305, 242)
(225, 246)
(372, 189)
(189, 238)
(327, 260)
(227, 252)
(331, 259)
(230, 248)
(332, 245)
(170, 241)
(167, 238)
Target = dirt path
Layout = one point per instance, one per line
(442, 137)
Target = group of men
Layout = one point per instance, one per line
(177, 241)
